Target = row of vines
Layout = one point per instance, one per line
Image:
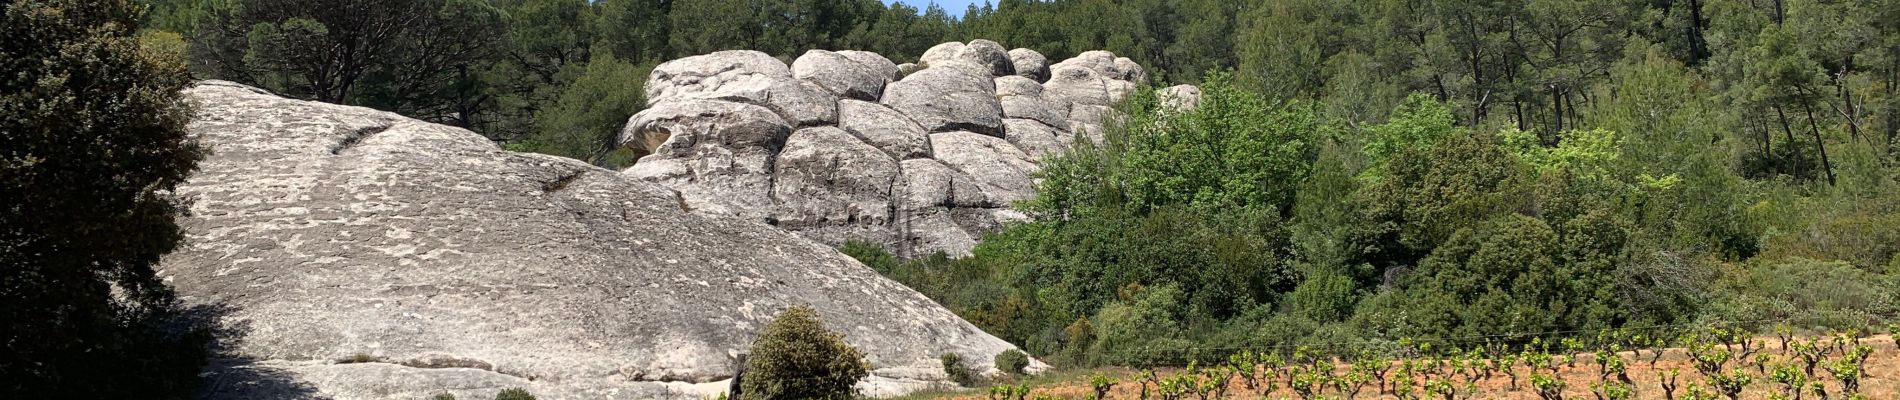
(1703, 364)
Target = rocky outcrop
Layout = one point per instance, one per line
(1030, 64)
(349, 253)
(990, 56)
(748, 77)
(930, 163)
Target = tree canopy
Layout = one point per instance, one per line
(94, 125)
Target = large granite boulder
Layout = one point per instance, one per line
(747, 77)
(952, 97)
(856, 74)
(991, 57)
(1030, 64)
(1002, 170)
(833, 187)
(885, 128)
(932, 163)
(348, 253)
(943, 209)
(1022, 98)
(718, 154)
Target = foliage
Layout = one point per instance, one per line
(1236, 150)
(795, 357)
(412, 57)
(584, 123)
(514, 394)
(957, 372)
(94, 126)
(1012, 361)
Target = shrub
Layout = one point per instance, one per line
(513, 394)
(1012, 361)
(94, 126)
(953, 367)
(795, 357)
(442, 396)
(871, 255)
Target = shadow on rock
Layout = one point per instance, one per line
(228, 376)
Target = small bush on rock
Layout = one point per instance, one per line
(953, 367)
(797, 358)
(1012, 361)
(513, 394)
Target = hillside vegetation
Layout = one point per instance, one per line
(1557, 167)
(1713, 365)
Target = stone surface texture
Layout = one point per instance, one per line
(931, 163)
(348, 253)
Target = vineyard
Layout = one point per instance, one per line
(1705, 365)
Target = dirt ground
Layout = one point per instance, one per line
(1881, 380)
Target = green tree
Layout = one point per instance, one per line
(705, 26)
(96, 144)
(584, 122)
(1505, 275)
(637, 30)
(795, 357)
(418, 58)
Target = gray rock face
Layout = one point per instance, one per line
(885, 128)
(1030, 64)
(1181, 97)
(718, 154)
(931, 164)
(859, 75)
(948, 98)
(990, 56)
(1001, 169)
(942, 208)
(1035, 138)
(743, 76)
(834, 187)
(1023, 98)
(357, 254)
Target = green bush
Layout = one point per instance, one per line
(795, 357)
(1012, 361)
(953, 367)
(442, 396)
(871, 255)
(513, 394)
(1811, 294)
(95, 144)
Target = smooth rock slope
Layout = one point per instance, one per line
(349, 253)
(920, 157)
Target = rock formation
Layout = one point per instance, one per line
(349, 253)
(919, 157)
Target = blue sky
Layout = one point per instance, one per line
(955, 7)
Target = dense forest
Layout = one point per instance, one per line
(1361, 173)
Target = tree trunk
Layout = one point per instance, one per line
(1517, 107)
(1696, 52)
(1556, 111)
(1819, 144)
(1780, 12)
(1785, 129)
(1893, 109)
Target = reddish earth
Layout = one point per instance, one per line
(1881, 380)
